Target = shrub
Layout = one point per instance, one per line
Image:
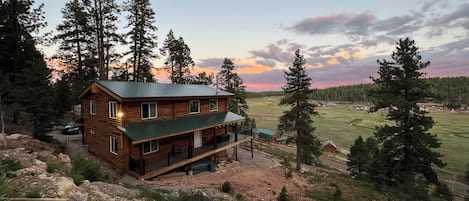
(443, 191)
(337, 193)
(7, 165)
(51, 165)
(34, 193)
(239, 197)
(5, 190)
(86, 169)
(226, 187)
(283, 196)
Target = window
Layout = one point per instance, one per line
(149, 110)
(93, 107)
(213, 105)
(150, 146)
(112, 109)
(194, 106)
(113, 144)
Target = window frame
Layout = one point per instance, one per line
(149, 103)
(198, 106)
(111, 103)
(113, 145)
(210, 105)
(93, 107)
(155, 149)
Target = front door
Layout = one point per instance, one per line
(197, 139)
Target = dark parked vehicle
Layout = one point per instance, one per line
(72, 128)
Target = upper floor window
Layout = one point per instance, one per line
(112, 109)
(93, 107)
(149, 110)
(194, 106)
(150, 147)
(213, 104)
(113, 144)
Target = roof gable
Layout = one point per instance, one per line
(125, 89)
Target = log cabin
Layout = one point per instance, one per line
(147, 129)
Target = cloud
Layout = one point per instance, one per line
(250, 67)
(272, 52)
(459, 18)
(347, 23)
(211, 63)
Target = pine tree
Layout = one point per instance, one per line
(408, 148)
(231, 82)
(360, 156)
(141, 37)
(178, 59)
(202, 78)
(298, 118)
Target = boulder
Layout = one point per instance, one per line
(30, 171)
(64, 160)
(18, 136)
(65, 186)
(78, 196)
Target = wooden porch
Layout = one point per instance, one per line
(186, 155)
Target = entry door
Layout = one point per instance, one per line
(197, 139)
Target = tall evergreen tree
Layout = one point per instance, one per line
(75, 36)
(202, 78)
(141, 37)
(408, 148)
(229, 81)
(18, 21)
(298, 118)
(360, 156)
(178, 59)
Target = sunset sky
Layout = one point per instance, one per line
(341, 40)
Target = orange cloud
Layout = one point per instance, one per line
(249, 67)
(315, 65)
(333, 61)
(346, 55)
(357, 55)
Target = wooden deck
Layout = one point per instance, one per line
(165, 169)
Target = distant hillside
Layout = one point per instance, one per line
(451, 91)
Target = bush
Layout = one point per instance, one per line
(337, 193)
(7, 165)
(283, 195)
(443, 191)
(5, 190)
(34, 193)
(51, 165)
(86, 169)
(239, 197)
(226, 187)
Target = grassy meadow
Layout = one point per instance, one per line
(343, 125)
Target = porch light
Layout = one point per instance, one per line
(120, 114)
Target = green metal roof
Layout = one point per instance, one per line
(166, 127)
(265, 133)
(125, 89)
(281, 138)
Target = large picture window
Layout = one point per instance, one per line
(113, 145)
(112, 109)
(194, 106)
(150, 146)
(149, 110)
(213, 105)
(93, 107)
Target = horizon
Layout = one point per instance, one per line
(340, 41)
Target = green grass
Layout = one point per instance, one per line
(343, 125)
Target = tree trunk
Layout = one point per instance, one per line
(298, 152)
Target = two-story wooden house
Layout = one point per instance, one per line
(146, 129)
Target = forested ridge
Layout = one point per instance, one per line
(452, 91)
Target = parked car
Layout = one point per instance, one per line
(72, 128)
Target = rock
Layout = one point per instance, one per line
(44, 155)
(39, 164)
(18, 136)
(64, 160)
(30, 171)
(64, 185)
(78, 196)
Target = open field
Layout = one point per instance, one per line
(343, 125)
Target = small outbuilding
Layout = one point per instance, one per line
(270, 135)
(329, 146)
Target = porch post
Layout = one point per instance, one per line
(214, 138)
(140, 156)
(252, 151)
(236, 140)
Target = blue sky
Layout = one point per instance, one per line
(341, 40)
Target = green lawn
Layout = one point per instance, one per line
(343, 125)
